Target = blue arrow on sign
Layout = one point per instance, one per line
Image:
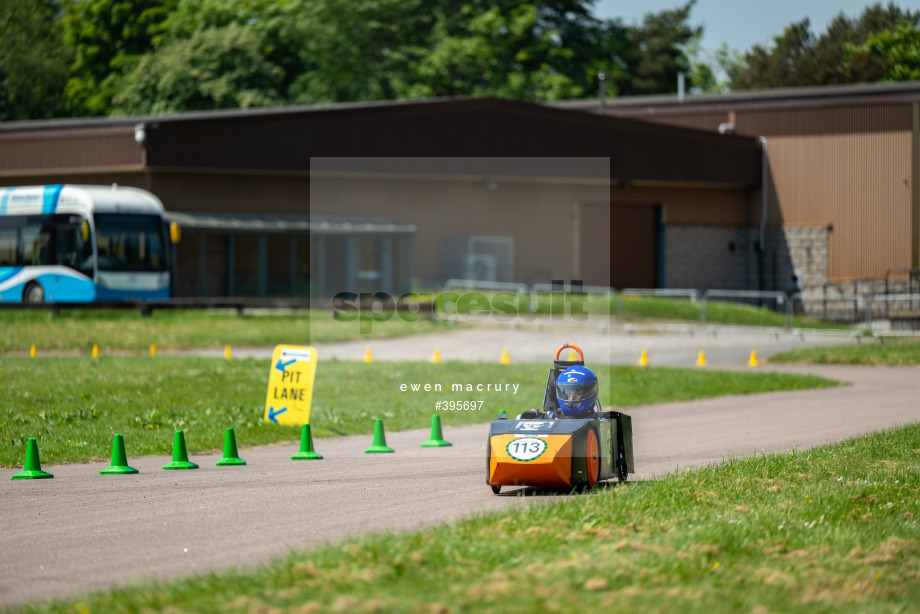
(282, 365)
(272, 414)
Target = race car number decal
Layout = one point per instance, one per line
(526, 448)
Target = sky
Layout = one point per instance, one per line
(743, 23)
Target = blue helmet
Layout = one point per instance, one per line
(576, 390)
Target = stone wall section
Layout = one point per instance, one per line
(707, 257)
(726, 258)
(800, 250)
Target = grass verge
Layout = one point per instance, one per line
(75, 405)
(628, 307)
(900, 352)
(836, 528)
(75, 331)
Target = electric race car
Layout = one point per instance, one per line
(570, 442)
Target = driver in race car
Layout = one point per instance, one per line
(576, 392)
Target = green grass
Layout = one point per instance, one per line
(630, 308)
(649, 307)
(831, 529)
(75, 331)
(74, 405)
(638, 308)
(899, 352)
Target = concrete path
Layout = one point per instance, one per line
(603, 342)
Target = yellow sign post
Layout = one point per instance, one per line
(290, 385)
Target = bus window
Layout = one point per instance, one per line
(130, 242)
(36, 240)
(8, 242)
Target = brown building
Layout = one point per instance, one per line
(843, 190)
(295, 201)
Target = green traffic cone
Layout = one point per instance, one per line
(32, 470)
(380, 440)
(180, 456)
(437, 439)
(306, 445)
(231, 456)
(119, 458)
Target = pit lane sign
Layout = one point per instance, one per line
(290, 385)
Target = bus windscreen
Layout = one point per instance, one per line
(129, 242)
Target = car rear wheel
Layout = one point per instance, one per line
(593, 458)
(34, 293)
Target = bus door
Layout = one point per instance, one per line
(73, 245)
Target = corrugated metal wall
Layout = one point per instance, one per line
(698, 121)
(637, 151)
(232, 193)
(813, 121)
(859, 185)
(40, 152)
(847, 167)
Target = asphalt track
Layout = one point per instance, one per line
(82, 531)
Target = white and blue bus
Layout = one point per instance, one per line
(72, 243)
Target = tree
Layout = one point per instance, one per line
(655, 52)
(591, 45)
(728, 61)
(34, 62)
(546, 50)
(216, 68)
(151, 56)
(107, 38)
(901, 47)
(361, 49)
(779, 66)
(702, 75)
(280, 26)
(797, 57)
(501, 51)
(326, 50)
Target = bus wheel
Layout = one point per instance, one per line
(34, 293)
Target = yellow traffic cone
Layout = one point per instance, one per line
(506, 357)
(643, 359)
(753, 361)
(153, 350)
(32, 351)
(228, 353)
(701, 360)
(436, 358)
(95, 351)
(368, 355)
(572, 355)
